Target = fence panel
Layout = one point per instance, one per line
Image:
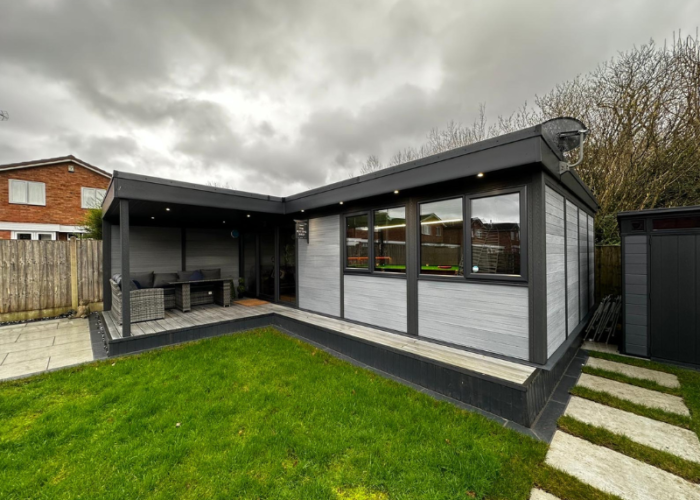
(608, 271)
(36, 278)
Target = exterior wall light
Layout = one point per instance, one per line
(396, 191)
(480, 174)
(341, 202)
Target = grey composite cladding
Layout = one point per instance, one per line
(583, 262)
(319, 267)
(556, 276)
(376, 301)
(156, 249)
(492, 318)
(212, 249)
(591, 262)
(635, 293)
(572, 264)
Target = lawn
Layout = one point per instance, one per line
(255, 415)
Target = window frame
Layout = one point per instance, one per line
(369, 270)
(419, 243)
(370, 243)
(524, 262)
(82, 196)
(26, 183)
(372, 263)
(33, 235)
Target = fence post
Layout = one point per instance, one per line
(74, 273)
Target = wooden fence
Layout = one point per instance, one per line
(48, 278)
(608, 271)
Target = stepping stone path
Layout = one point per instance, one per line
(614, 472)
(646, 431)
(661, 378)
(634, 394)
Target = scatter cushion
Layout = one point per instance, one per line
(211, 274)
(145, 280)
(163, 279)
(184, 275)
(117, 278)
(196, 276)
(136, 284)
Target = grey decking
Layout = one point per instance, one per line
(201, 315)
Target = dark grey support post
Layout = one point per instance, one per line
(183, 250)
(126, 267)
(412, 264)
(106, 265)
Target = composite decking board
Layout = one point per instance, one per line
(479, 363)
(555, 268)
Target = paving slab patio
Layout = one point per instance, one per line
(616, 473)
(661, 378)
(634, 394)
(30, 348)
(658, 435)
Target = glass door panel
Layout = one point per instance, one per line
(288, 262)
(267, 266)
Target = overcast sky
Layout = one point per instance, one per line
(278, 97)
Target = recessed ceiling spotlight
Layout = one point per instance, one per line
(480, 174)
(167, 209)
(302, 210)
(224, 222)
(396, 191)
(152, 217)
(341, 202)
(247, 215)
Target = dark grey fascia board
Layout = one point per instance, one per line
(659, 211)
(138, 187)
(512, 154)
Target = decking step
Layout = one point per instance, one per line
(661, 378)
(538, 494)
(599, 346)
(616, 473)
(634, 394)
(658, 435)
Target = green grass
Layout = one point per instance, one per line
(261, 416)
(689, 380)
(619, 377)
(623, 404)
(666, 461)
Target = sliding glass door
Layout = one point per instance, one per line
(288, 265)
(267, 265)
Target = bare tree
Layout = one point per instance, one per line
(643, 110)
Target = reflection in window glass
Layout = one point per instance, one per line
(495, 235)
(441, 234)
(676, 223)
(357, 250)
(390, 240)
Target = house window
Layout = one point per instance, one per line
(356, 242)
(27, 192)
(24, 236)
(92, 197)
(441, 252)
(390, 240)
(495, 247)
(33, 235)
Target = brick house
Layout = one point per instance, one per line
(47, 199)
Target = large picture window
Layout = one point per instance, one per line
(356, 242)
(441, 237)
(390, 240)
(495, 235)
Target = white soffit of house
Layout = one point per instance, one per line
(47, 228)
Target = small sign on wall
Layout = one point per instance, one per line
(302, 229)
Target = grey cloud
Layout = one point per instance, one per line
(281, 96)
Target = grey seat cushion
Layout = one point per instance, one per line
(163, 279)
(184, 275)
(212, 274)
(143, 279)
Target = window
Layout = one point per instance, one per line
(356, 242)
(390, 240)
(27, 192)
(33, 235)
(495, 246)
(24, 236)
(441, 252)
(92, 197)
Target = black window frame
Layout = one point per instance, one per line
(524, 241)
(369, 270)
(453, 277)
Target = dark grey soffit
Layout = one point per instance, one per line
(523, 147)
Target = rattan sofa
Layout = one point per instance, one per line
(146, 304)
